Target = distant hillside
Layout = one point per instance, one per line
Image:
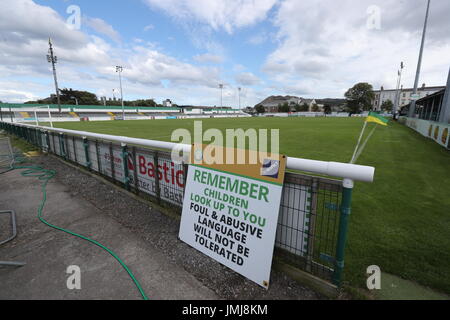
(275, 100)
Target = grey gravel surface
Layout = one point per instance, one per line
(160, 231)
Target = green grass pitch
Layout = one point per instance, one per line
(401, 222)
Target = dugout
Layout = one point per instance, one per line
(434, 107)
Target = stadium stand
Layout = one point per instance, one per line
(26, 112)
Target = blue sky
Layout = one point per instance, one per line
(182, 50)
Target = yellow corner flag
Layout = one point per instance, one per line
(376, 118)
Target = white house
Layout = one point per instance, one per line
(404, 97)
(167, 103)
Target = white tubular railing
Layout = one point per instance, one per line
(334, 169)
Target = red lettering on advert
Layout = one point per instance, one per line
(169, 174)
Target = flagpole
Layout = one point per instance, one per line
(359, 141)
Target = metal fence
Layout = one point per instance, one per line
(308, 223)
(312, 223)
(6, 154)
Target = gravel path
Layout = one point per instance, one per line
(160, 231)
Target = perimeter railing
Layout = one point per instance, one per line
(314, 210)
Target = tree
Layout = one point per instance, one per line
(327, 109)
(359, 97)
(141, 103)
(304, 107)
(315, 108)
(387, 105)
(260, 108)
(284, 107)
(68, 96)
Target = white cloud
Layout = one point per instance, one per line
(323, 48)
(328, 48)
(85, 61)
(22, 20)
(15, 91)
(208, 58)
(258, 39)
(102, 27)
(149, 27)
(151, 67)
(247, 79)
(16, 96)
(227, 15)
(24, 42)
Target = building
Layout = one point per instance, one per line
(433, 107)
(249, 109)
(431, 116)
(337, 105)
(429, 107)
(404, 97)
(311, 103)
(272, 103)
(167, 103)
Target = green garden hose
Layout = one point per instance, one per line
(45, 175)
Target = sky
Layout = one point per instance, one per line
(183, 49)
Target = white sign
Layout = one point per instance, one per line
(233, 217)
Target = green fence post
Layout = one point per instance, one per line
(97, 154)
(125, 166)
(111, 162)
(86, 152)
(39, 138)
(61, 145)
(135, 171)
(47, 141)
(157, 186)
(185, 173)
(345, 210)
(33, 136)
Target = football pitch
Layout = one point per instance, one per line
(400, 222)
